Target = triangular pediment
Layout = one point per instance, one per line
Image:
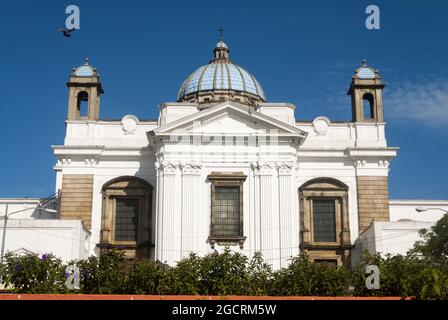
(228, 118)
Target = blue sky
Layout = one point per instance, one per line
(301, 52)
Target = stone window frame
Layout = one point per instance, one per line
(227, 179)
(136, 188)
(324, 188)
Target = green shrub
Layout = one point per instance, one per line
(213, 274)
(260, 276)
(224, 274)
(103, 274)
(29, 273)
(185, 276)
(306, 278)
(149, 277)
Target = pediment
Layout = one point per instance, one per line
(228, 118)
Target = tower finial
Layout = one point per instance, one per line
(364, 62)
(220, 30)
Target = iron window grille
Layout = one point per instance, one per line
(226, 226)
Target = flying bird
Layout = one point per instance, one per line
(66, 32)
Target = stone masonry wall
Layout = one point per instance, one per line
(76, 199)
(373, 200)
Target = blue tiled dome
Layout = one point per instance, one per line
(365, 72)
(84, 70)
(221, 76)
(225, 76)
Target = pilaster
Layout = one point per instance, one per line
(191, 218)
(288, 217)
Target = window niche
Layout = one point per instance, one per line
(126, 216)
(324, 220)
(226, 227)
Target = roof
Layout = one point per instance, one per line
(222, 77)
(85, 70)
(366, 72)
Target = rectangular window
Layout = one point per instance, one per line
(324, 220)
(126, 219)
(226, 212)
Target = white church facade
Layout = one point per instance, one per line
(224, 167)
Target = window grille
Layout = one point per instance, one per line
(324, 220)
(126, 219)
(226, 212)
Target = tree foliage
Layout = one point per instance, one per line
(434, 245)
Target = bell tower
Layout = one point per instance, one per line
(366, 90)
(84, 90)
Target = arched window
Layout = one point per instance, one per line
(82, 104)
(126, 216)
(368, 106)
(324, 220)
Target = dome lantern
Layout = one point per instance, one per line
(221, 51)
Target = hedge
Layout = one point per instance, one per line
(226, 273)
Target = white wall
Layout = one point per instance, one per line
(28, 205)
(405, 209)
(389, 237)
(66, 239)
(41, 232)
(400, 234)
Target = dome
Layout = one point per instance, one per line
(221, 44)
(221, 80)
(366, 72)
(85, 70)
